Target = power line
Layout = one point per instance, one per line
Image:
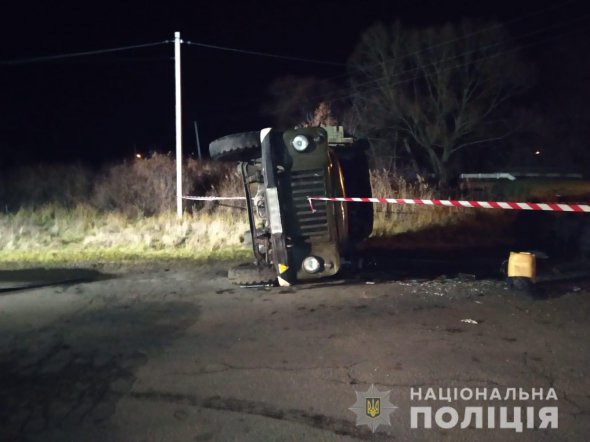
(78, 54)
(265, 54)
(449, 42)
(369, 84)
(466, 36)
(394, 75)
(456, 66)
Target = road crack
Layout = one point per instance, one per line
(339, 427)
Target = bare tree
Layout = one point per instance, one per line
(322, 116)
(434, 92)
(295, 99)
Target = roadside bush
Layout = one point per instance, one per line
(391, 219)
(129, 208)
(229, 185)
(147, 187)
(142, 187)
(386, 184)
(33, 186)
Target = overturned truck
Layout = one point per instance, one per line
(280, 170)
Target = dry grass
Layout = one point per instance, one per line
(122, 212)
(126, 212)
(147, 187)
(393, 219)
(52, 234)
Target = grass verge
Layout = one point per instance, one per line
(53, 235)
(66, 257)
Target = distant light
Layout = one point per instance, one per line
(537, 152)
(138, 155)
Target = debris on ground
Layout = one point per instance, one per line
(466, 277)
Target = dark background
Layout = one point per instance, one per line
(107, 107)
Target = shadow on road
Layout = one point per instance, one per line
(554, 276)
(11, 280)
(432, 263)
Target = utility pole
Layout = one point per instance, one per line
(198, 141)
(177, 42)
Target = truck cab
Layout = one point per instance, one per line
(291, 240)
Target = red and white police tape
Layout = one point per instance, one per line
(550, 207)
(213, 198)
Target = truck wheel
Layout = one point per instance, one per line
(251, 274)
(237, 147)
(357, 183)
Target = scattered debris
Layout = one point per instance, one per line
(466, 277)
(470, 321)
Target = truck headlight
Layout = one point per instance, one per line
(311, 264)
(300, 143)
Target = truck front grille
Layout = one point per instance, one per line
(309, 224)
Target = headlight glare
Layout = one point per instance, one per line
(300, 143)
(311, 264)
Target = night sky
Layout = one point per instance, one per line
(106, 107)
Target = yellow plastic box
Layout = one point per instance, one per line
(522, 264)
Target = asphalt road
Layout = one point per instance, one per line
(177, 354)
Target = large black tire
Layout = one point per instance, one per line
(357, 183)
(251, 274)
(237, 147)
